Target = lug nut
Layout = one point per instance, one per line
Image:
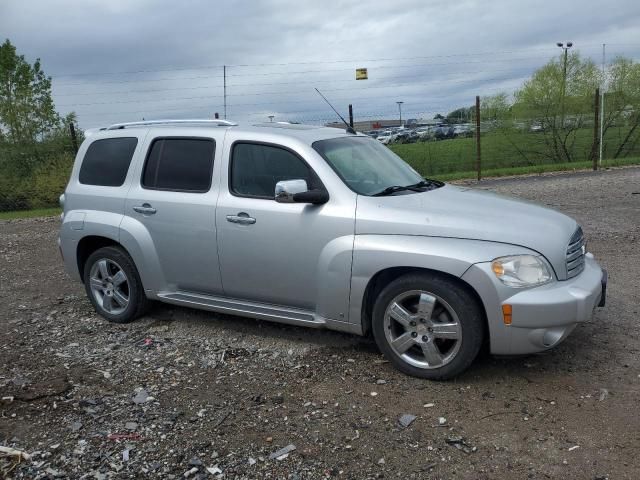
(414, 334)
(412, 323)
(422, 320)
(425, 338)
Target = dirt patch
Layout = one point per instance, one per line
(225, 393)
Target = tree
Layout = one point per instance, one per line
(544, 101)
(622, 104)
(460, 115)
(438, 117)
(27, 112)
(495, 107)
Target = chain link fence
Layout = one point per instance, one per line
(34, 175)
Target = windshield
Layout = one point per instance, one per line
(365, 165)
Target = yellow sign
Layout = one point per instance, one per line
(361, 74)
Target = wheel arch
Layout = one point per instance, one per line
(89, 244)
(382, 278)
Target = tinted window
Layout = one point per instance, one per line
(255, 170)
(183, 164)
(107, 161)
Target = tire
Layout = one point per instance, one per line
(428, 326)
(113, 285)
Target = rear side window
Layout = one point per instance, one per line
(180, 164)
(256, 168)
(107, 161)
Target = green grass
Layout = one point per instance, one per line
(533, 169)
(503, 153)
(38, 212)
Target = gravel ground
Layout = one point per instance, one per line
(183, 393)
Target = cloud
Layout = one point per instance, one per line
(121, 60)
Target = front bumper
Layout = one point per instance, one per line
(542, 316)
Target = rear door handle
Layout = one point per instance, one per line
(145, 209)
(242, 218)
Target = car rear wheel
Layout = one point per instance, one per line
(428, 326)
(113, 285)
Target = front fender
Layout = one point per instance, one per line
(375, 253)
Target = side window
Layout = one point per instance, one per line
(107, 161)
(256, 168)
(180, 164)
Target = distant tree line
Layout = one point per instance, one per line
(36, 154)
(561, 108)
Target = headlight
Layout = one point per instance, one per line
(521, 270)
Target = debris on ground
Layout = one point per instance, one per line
(229, 391)
(282, 453)
(405, 420)
(461, 444)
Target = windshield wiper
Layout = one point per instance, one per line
(416, 187)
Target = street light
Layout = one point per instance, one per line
(400, 110)
(564, 78)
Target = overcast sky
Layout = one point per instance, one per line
(124, 60)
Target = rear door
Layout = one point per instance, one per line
(174, 200)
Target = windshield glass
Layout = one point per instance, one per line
(365, 165)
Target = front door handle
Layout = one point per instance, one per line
(242, 218)
(145, 209)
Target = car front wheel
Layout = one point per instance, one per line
(428, 326)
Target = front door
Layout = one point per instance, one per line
(174, 200)
(273, 252)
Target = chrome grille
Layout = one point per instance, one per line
(575, 254)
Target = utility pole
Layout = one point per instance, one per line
(400, 110)
(478, 165)
(596, 138)
(224, 88)
(74, 138)
(602, 87)
(564, 79)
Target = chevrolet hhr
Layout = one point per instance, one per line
(325, 228)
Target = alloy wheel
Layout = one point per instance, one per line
(422, 329)
(109, 286)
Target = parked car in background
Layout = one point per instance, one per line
(323, 228)
(385, 137)
(462, 131)
(443, 132)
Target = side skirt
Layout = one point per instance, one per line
(262, 311)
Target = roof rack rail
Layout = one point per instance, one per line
(221, 123)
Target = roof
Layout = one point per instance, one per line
(305, 133)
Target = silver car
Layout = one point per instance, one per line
(323, 228)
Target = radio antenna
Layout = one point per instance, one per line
(349, 127)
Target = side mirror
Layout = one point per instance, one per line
(296, 191)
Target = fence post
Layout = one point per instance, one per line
(74, 139)
(478, 164)
(596, 134)
(350, 115)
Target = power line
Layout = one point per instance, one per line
(301, 72)
(318, 62)
(314, 82)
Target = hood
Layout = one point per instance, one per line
(458, 212)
